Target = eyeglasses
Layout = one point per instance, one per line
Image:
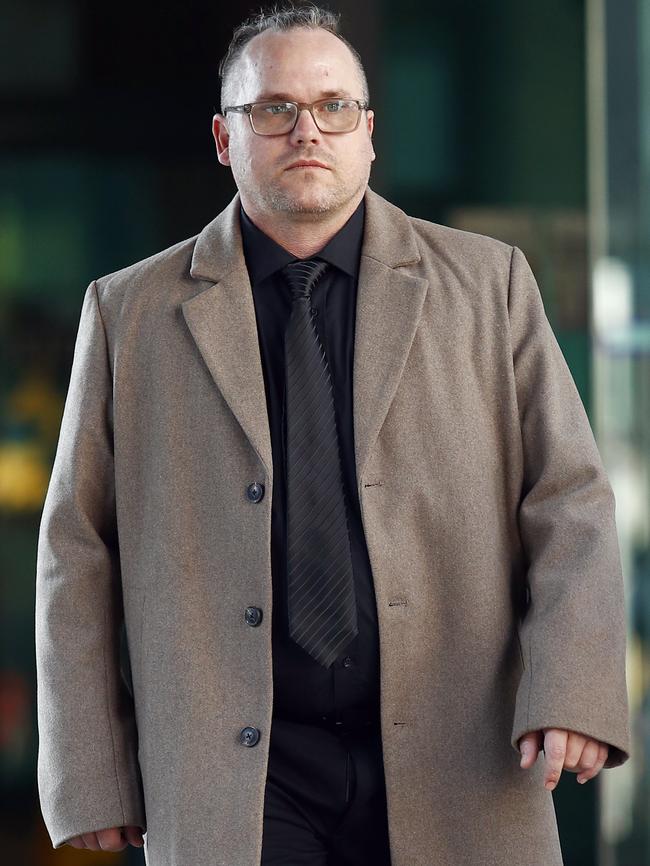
(278, 118)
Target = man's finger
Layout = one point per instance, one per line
(529, 746)
(575, 749)
(111, 839)
(76, 842)
(91, 841)
(133, 836)
(603, 752)
(588, 757)
(555, 741)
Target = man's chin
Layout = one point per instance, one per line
(304, 202)
(288, 205)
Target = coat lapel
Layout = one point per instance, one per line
(389, 306)
(221, 319)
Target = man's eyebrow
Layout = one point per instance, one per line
(287, 97)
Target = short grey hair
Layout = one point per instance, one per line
(281, 19)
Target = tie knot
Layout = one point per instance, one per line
(303, 275)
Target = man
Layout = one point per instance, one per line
(328, 464)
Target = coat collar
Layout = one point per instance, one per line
(222, 321)
(388, 238)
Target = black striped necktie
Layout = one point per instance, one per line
(320, 585)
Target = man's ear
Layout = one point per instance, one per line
(221, 138)
(371, 127)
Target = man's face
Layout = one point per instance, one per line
(300, 65)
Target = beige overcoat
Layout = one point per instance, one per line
(488, 517)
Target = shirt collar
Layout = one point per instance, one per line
(264, 256)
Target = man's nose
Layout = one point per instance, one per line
(305, 128)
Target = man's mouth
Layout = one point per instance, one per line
(308, 163)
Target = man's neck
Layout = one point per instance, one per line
(302, 234)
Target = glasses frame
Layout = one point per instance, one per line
(247, 108)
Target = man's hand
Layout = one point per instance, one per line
(563, 750)
(112, 839)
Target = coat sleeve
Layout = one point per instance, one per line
(88, 771)
(574, 632)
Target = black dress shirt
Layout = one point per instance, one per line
(304, 690)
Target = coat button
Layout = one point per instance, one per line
(255, 491)
(348, 662)
(253, 615)
(249, 736)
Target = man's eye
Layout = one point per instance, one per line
(280, 108)
(333, 107)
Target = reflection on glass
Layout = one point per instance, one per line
(619, 171)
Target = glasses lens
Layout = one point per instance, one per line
(336, 115)
(273, 118)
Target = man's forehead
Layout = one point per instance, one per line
(272, 60)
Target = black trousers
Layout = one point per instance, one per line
(325, 800)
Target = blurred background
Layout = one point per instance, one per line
(528, 121)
